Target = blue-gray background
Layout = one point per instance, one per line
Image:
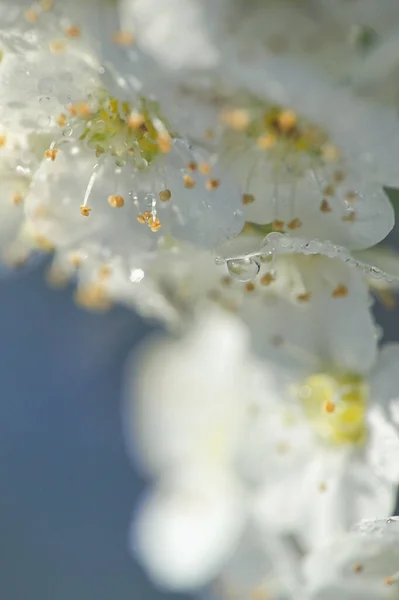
(67, 488)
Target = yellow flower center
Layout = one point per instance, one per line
(336, 406)
(114, 127)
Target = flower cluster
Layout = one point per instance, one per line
(223, 165)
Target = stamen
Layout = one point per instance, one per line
(3, 140)
(357, 568)
(340, 291)
(205, 168)
(123, 38)
(238, 119)
(51, 153)
(85, 210)
(294, 224)
(165, 195)
(248, 198)
(325, 206)
(212, 184)
(116, 201)
(189, 182)
(267, 279)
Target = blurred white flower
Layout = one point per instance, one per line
(185, 407)
(362, 565)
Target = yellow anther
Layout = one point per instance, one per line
(212, 184)
(73, 31)
(340, 291)
(294, 224)
(238, 118)
(266, 141)
(123, 38)
(287, 120)
(165, 195)
(85, 210)
(248, 198)
(51, 153)
(267, 279)
(188, 181)
(205, 168)
(278, 225)
(116, 201)
(325, 206)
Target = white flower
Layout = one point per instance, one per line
(363, 565)
(328, 425)
(184, 416)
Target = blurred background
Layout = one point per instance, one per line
(67, 489)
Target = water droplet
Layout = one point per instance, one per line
(101, 70)
(44, 99)
(243, 269)
(67, 132)
(219, 260)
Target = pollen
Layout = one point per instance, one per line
(46, 4)
(189, 182)
(287, 120)
(267, 279)
(357, 568)
(351, 196)
(248, 198)
(238, 119)
(164, 142)
(294, 224)
(31, 16)
(17, 199)
(141, 219)
(51, 153)
(154, 224)
(62, 120)
(340, 291)
(266, 141)
(123, 38)
(350, 217)
(205, 168)
(325, 206)
(329, 406)
(3, 140)
(212, 184)
(192, 166)
(93, 296)
(303, 297)
(57, 46)
(250, 287)
(73, 31)
(135, 120)
(278, 225)
(81, 109)
(330, 153)
(165, 195)
(85, 210)
(116, 201)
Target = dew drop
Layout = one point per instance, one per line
(67, 132)
(219, 260)
(243, 269)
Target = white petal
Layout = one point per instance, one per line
(184, 533)
(186, 398)
(356, 566)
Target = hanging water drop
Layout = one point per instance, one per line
(243, 269)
